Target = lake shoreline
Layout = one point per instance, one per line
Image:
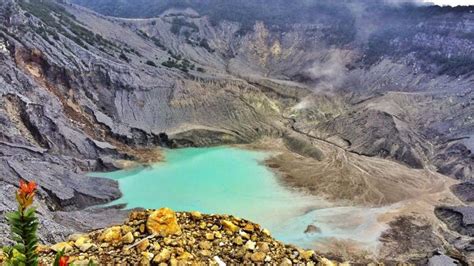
(280, 163)
(302, 213)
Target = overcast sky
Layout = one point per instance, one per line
(452, 2)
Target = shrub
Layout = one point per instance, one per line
(23, 225)
(183, 65)
(124, 57)
(150, 63)
(56, 17)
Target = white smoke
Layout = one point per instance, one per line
(330, 72)
(303, 104)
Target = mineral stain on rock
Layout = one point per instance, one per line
(187, 245)
(163, 222)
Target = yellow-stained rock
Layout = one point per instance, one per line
(81, 262)
(144, 262)
(249, 228)
(163, 256)
(326, 262)
(258, 256)
(205, 253)
(156, 246)
(205, 245)
(266, 232)
(87, 246)
(196, 215)
(286, 262)
(173, 262)
(128, 238)
(244, 235)
(163, 222)
(238, 241)
(198, 242)
(40, 249)
(209, 236)
(126, 229)
(136, 215)
(81, 240)
(143, 245)
(263, 247)
(254, 237)
(113, 234)
(307, 254)
(228, 225)
(186, 256)
(249, 245)
(62, 246)
(147, 256)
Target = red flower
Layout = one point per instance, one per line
(26, 193)
(63, 261)
(27, 188)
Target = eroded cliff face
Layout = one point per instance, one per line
(80, 91)
(424, 108)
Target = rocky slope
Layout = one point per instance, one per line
(388, 75)
(163, 237)
(82, 92)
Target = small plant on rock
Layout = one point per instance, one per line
(60, 259)
(23, 225)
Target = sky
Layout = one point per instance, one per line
(451, 2)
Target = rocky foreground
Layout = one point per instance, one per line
(163, 237)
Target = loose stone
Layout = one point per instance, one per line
(179, 239)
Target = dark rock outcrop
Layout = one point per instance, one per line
(458, 218)
(465, 191)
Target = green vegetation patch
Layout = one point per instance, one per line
(182, 64)
(151, 63)
(60, 21)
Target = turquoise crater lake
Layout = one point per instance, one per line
(227, 180)
(210, 180)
